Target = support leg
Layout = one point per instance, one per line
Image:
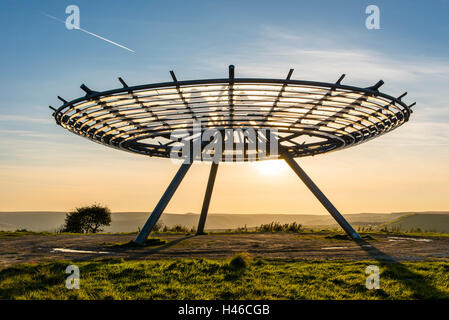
(163, 202)
(321, 197)
(207, 195)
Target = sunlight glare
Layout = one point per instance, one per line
(271, 167)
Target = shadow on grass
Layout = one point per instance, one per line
(172, 243)
(395, 270)
(154, 245)
(150, 242)
(29, 277)
(365, 237)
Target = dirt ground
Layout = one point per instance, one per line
(34, 248)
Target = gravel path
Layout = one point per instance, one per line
(34, 248)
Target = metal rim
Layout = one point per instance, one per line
(326, 116)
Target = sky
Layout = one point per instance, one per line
(44, 167)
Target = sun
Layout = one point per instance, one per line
(271, 167)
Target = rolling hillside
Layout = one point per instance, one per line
(438, 222)
(131, 221)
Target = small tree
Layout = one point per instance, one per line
(87, 219)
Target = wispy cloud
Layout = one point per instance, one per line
(26, 133)
(20, 118)
(274, 51)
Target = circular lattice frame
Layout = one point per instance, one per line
(309, 117)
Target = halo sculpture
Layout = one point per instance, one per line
(302, 118)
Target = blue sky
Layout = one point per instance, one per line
(179, 34)
(199, 39)
(187, 35)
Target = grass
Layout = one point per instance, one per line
(241, 277)
(428, 234)
(178, 229)
(25, 232)
(273, 227)
(278, 227)
(396, 230)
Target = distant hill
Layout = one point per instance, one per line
(438, 222)
(31, 220)
(131, 221)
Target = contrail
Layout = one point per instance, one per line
(92, 34)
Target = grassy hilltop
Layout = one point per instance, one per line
(306, 265)
(238, 278)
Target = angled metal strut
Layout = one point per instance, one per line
(207, 196)
(162, 204)
(320, 195)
